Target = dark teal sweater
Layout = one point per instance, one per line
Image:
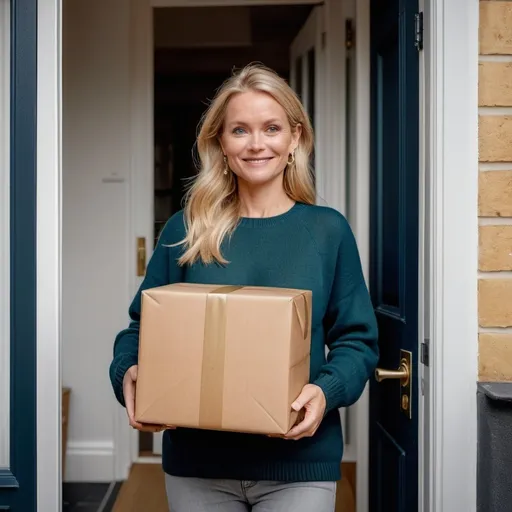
(308, 247)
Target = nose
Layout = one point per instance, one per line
(256, 142)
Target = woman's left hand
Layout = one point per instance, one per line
(312, 400)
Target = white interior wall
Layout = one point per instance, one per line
(96, 163)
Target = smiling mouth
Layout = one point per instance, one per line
(257, 160)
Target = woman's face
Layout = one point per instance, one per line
(257, 137)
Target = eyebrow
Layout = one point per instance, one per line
(268, 121)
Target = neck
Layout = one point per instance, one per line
(264, 201)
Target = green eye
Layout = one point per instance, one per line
(238, 131)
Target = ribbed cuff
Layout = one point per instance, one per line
(118, 369)
(333, 389)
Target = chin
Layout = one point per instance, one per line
(260, 176)
(259, 179)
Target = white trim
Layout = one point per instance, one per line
(309, 37)
(90, 461)
(49, 174)
(424, 202)
(454, 151)
(360, 221)
(148, 460)
(139, 207)
(5, 265)
(335, 140)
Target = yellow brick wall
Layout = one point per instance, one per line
(495, 191)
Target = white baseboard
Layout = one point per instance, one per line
(90, 461)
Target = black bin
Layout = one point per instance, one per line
(494, 460)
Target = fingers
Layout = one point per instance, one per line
(129, 398)
(308, 393)
(312, 401)
(129, 384)
(147, 427)
(305, 428)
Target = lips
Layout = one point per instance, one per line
(258, 161)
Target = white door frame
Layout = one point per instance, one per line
(5, 264)
(49, 251)
(451, 151)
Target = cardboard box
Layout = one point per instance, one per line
(223, 357)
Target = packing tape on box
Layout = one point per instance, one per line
(214, 349)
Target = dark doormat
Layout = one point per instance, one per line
(89, 497)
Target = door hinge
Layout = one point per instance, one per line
(324, 40)
(349, 34)
(418, 31)
(425, 352)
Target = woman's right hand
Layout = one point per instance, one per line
(129, 384)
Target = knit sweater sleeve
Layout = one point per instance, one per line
(351, 329)
(162, 269)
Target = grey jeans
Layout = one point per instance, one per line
(201, 495)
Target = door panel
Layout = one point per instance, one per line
(306, 71)
(394, 251)
(18, 341)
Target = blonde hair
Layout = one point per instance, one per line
(212, 208)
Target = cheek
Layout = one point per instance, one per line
(281, 146)
(232, 146)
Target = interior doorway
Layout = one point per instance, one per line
(188, 67)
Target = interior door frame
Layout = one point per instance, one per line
(451, 148)
(141, 86)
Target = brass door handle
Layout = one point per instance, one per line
(141, 256)
(403, 373)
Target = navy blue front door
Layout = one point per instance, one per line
(18, 481)
(394, 252)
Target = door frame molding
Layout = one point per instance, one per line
(452, 150)
(5, 242)
(452, 153)
(49, 253)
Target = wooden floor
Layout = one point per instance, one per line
(145, 490)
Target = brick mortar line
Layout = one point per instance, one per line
(494, 330)
(505, 58)
(494, 166)
(497, 275)
(494, 221)
(495, 111)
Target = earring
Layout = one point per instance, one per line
(226, 165)
(290, 162)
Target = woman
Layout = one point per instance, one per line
(250, 219)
